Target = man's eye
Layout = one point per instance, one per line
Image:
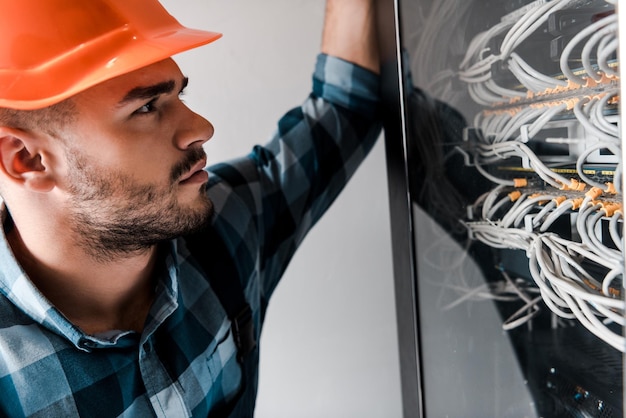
(147, 108)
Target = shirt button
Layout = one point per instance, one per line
(84, 343)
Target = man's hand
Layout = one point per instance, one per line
(350, 32)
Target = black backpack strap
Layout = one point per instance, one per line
(224, 280)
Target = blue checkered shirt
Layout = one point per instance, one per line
(184, 362)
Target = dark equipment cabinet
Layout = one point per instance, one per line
(504, 154)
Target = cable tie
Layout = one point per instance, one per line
(559, 199)
(615, 292)
(594, 193)
(606, 210)
(514, 195)
(610, 188)
(573, 185)
(571, 85)
(576, 203)
(520, 182)
(590, 82)
(571, 103)
(608, 79)
(610, 208)
(576, 185)
(599, 95)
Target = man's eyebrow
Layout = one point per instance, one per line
(148, 92)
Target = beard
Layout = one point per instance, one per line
(113, 215)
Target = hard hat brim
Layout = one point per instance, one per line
(90, 64)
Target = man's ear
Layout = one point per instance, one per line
(22, 160)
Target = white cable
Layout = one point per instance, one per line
(608, 30)
(588, 126)
(562, 269)
(570, 287)
(597, 114)
(513, 217)
(578, 248)
(590, 321)
(546, 117)
(516, 319)
(504, 92)
(521, 150)
(582, 158)
(548, 208)
(527, 25)
(479, 44)
(590, 221)
(614, 231)
(545, 80)
(608, 280)
(604, 52)
(563, 208)
(497, 207)
(521, 118)
(575, 41)
(521, 214)
(493, 178)
(490, 199)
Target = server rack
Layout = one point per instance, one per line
(502, 130)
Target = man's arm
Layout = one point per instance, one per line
(350, 32)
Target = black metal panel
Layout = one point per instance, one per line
(502, 311)
(401, 217)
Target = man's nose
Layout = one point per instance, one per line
(193, 131)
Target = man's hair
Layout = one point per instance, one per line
(49, 119)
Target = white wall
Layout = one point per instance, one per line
(329, 346)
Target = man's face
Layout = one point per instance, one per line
(133, 163)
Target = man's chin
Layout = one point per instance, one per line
(203, 214)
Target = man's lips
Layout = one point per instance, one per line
(197, 168)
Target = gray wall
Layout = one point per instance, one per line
(329, 346)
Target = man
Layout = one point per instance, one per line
(134, 282)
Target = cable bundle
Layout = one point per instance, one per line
(476, 68)
(528, 111)
(565, 271)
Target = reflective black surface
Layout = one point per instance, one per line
(501, 116)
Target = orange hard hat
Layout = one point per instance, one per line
(53, 49)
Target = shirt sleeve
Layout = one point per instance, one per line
(291, 181)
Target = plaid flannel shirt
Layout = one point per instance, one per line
(184, 362)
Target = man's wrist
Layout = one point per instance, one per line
(350, 32)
